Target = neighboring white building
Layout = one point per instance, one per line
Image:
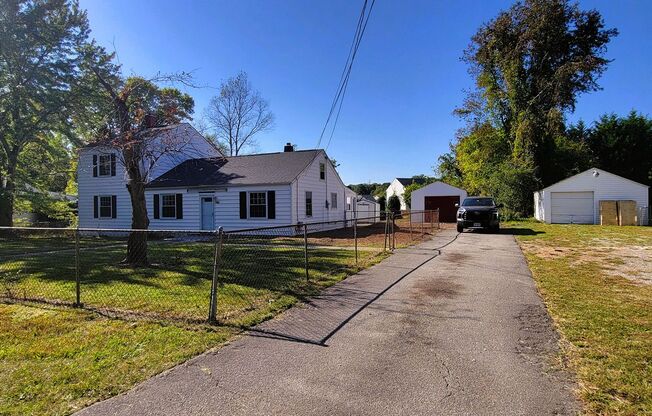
(577, 199)
(397, 187)
(368, 209)
(203, 190)
(438, 195)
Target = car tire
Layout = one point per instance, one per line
(495, 228)
(460, 228)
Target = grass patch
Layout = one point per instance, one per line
(593, 280)
(255, 279)
(55, 361)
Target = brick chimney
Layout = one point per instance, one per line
(288, 147)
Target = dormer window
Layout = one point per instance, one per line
(104, 164)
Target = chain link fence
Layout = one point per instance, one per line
(237, 277)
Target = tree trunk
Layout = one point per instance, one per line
(137, 242)
(8, 195)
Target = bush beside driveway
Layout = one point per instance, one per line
(597, 284)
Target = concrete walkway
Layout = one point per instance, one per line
(451, 327)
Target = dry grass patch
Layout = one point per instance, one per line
(592, 281)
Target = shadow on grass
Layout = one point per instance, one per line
(177, 284)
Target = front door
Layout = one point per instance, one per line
(207, 213)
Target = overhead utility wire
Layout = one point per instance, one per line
(346, 72)
(346, 84)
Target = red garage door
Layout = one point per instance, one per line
(446, 206)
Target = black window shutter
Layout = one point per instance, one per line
(114, 207)
(95, 165)
(243, 205)
(157, 213)
(112, 164)
(179, 200)
(271, 205)
(96, 207)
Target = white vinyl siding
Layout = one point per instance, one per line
(438, 188)
(396, 188)
(88, 185)
(604, 186)
(571, 207)
(321, 191)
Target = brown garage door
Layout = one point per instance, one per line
(446, 205)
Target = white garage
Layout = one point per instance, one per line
(576, 200)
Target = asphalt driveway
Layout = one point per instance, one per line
(452, 327)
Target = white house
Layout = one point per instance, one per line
(203, 190)
(438, 195)
(397, 187)
(367, 208)
(577, 199)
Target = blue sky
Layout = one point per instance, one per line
(406, 81)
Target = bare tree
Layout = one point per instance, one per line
(238, 114)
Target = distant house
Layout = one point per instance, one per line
(368, 209)
(397, 187)
(202, 189)
(438, 195)
(577, 199)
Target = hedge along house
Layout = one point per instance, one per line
(576, 200)
(438, 195)
(203, 193)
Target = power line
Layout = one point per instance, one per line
(363, 19)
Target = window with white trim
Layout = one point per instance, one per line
(308, 204)
(322, 171)
(258, 205)
(106, 206)
(104, 165)
(168, 206)
(333, 200)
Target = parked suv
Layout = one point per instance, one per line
(478, 212)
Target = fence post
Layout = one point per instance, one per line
(305, 250)
(217, 256)
(386, 229)
(355, 239)
(77, 275)
(393, 232)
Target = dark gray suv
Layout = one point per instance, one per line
(478, 212)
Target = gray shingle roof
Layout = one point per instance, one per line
(267, 168)
(408, 181)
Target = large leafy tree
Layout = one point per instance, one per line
(530, 64)
(39, 66)
(127, 109)
(623, 145)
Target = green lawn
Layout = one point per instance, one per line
(55, 360)
(592, 279)
(256, 278)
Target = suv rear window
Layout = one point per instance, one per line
(478, 202)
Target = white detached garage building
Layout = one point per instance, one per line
(577, 199)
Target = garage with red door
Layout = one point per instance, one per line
(438, 195)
